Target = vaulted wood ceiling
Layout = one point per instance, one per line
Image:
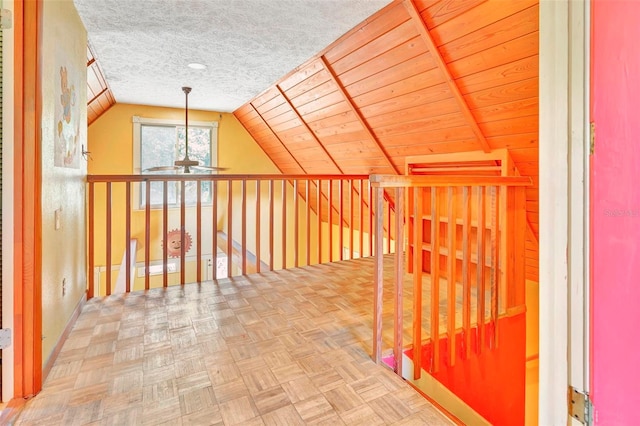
(419, 77)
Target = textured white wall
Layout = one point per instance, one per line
(63, 250)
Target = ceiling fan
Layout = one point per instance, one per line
(186, 164)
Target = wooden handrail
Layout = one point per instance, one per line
(392, 181)
(218, 177)
(227, 177)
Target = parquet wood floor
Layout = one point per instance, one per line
(286, 347)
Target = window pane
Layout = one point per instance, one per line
(199, 144)
(157, 146)
(190, 192)
(156, 193)
(162, 145)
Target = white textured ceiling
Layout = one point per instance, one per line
(144, 46)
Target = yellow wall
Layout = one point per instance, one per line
(63, 250)
(111, 140)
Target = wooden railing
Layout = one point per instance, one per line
(259, 222)
(465, 233)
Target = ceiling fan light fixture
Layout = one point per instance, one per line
(197, 66)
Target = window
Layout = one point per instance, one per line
(160, 143)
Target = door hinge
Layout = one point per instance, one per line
(5, 19)
(580, 406)
(592, 137)
(5, 338)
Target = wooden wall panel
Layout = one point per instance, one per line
(381, 24)
(496, 34)
(399, 79)
(421, 97)
(378, 94)
(522, 89)
(512, 72)
(436, 13)
(476, 18)
(408, 50)
(506, 53)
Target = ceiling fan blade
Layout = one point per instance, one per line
(162, 169)
(210, 168)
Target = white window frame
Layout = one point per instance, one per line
(138, 122)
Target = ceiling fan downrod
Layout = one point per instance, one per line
(186, 162)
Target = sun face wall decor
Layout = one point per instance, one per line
(175, 242)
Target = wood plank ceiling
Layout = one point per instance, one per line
(419, 77)
(99, 96)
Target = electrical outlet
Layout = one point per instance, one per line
(64, 286)
(58, 218)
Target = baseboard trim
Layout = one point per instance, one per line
(442, 398)
(436, 404)
(12, 410)
(58, 347)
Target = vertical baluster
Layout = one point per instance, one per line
(244, 226)
(341, 218)
(147, 233)
(399, 269)
(229, 227)
(319, 214)
(127, 237)
(272, 219)
(361, 221)
(308, 219)
(198, 231)
(258, 220)
(495, 264)
(451, 274)
(165, 230)
(183, 231)
(481, 265)
(330, 218)
(296, 234)
(417, 281)
(91, 248)
(466, 270)
(388, 204)
(214, 228)
(435, 279)
(378, 279)
(350, 218)
(108, 232)
(284, 224)
(370, 218)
